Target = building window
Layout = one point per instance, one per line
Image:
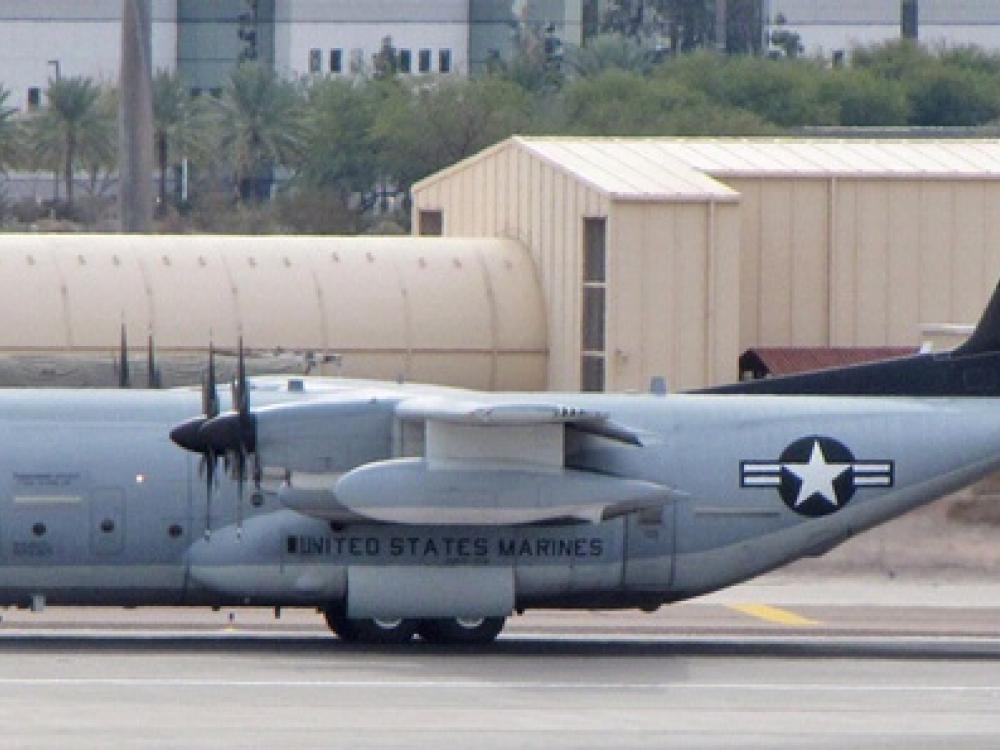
(405, 61)
(336, 61)
(34, 98)
(430, 223)
(593, 318)
(444, 60)
(592, 374)
(594, 305)
(424, 61)
(357, 60)
(594, 270)
(315, 61)
(909, 19)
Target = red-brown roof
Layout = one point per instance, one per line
(788, 360)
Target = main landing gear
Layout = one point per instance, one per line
(443, 631)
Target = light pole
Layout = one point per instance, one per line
(55, 173)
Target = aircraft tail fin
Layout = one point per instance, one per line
(986, 335)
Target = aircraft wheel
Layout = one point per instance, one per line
(376, 631)
(461, 630)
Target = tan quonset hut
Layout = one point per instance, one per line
(464, 312)
(714, 246)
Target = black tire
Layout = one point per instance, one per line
(383, 632)
(459, 630)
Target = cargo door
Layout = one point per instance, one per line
(649, 549)
(107, 521)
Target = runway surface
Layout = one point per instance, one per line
(796, 665)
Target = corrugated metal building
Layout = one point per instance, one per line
(461, 312)
(637, 256)
(714, 246)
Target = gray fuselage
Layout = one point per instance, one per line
(97, 506)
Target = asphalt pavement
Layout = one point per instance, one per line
(793, 664)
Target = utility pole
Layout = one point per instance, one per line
(135, 118)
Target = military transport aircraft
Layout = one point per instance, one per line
(401, 509)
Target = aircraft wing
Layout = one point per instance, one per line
(485, 461)
(496, 413)
(495, 463)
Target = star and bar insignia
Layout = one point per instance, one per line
(817, 475)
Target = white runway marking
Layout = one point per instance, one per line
(196, 682)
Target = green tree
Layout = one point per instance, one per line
(386, 60)
(950, 96)
(607, 51)
(784, 92)
(689, 24)
(862, 98)
(953, 87)
(178, 126)
(339, 152)
(897, 60)
(98, 144)
(421, 128)
(618, 102)
(259, 127)
(9, 132)
(74, 129)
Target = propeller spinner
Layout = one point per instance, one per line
(188, 435)
(232, 435)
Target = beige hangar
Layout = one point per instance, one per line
(712, 246)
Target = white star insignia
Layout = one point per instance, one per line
(817, 476)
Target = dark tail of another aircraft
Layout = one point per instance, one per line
(972, 369)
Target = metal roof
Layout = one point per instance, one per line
(690, 169)
(629, 168)
(789, 360)
(693, 169)
(892, 159)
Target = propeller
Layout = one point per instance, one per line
(188, 435)
(123, 374)
(232, 435)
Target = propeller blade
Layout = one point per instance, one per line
(240, 484)
(209, 394)
(123, 375)
(210, 459)
(152, 374)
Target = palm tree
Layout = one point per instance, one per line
(176, 125)
(73, 128)
(259, 126)
(9, 132)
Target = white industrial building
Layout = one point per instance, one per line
(827, 27)
(41, 40)
(45, 39)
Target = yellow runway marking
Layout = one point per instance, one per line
(773, 614)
